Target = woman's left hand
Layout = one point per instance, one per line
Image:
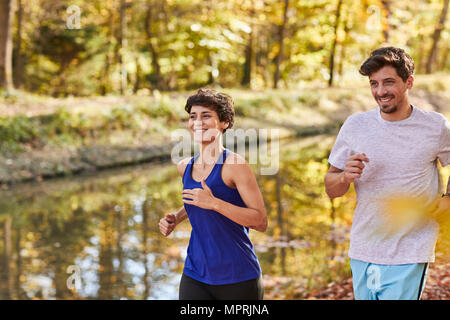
(202, 198)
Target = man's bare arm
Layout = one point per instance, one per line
(334, 184)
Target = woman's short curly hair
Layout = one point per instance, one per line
(220, 102)
(395, 57)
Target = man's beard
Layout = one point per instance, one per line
(387, 110)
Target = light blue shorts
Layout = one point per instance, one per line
(388, 282)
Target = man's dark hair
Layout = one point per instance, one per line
(389, 56)
(220, 102)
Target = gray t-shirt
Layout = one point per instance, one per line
(403, 159)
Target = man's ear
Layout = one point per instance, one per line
(410, 82)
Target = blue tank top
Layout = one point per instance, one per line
(220, 250)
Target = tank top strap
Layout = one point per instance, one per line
(226, 152)
(216, 171)
(188, 169)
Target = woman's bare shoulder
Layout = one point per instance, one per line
(235, 158)
(181, 166)
(234, 164)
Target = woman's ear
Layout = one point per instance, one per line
(225, 125)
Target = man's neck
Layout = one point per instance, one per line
(402, 113)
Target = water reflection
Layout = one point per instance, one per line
(107, 225)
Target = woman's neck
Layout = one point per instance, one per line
(209, 152)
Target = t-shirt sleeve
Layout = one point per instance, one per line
(341, 150)
(444, 145)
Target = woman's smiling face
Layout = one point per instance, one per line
(204, 124)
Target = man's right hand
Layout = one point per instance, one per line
(354, 168)
(167, 224)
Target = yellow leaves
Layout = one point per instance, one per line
(317, 219)
(441, 213)
(440, 210)
(405, 212)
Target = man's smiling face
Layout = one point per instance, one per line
(389, 89)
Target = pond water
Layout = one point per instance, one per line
(96, 236)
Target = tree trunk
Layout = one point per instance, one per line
(332, 229)
(122, 45)
(6, 46)
(18, 61)
(279, 57)
(120, 290)
(6, 279)
(105, 81)
(262, 60)
(145, 280)
(387, 24)
(341, 61)
(333, 46)
(280, 219)
(283, 234)
(154, 53)
(17, 282)
(250, 62)
(436, 37)
(249, 56)
(59, 276)
(343, 52)
(137, 82)
(106, 277)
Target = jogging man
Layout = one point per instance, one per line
(390, 150)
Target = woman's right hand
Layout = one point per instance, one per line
(167, 224)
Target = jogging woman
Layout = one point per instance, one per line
(222, 200)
